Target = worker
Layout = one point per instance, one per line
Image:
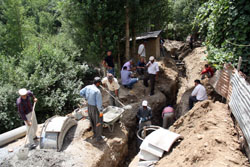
(208, 71)
(168, 117)
(129, 65)
(94, 98)
(108, 63)
(24, 107)
(191, 42)
(141, 66)
(144, 114)
(198, 94)
(142, 50)
(153, 70)
(113, 87)
(127, 81)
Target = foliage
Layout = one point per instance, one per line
(37, 55)
(95, 27)
(226, 27)
(182, 15)
(51, 74)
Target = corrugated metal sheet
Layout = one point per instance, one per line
(221, 81)
(240, 103)
(232, 86)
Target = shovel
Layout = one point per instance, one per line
(23, 153)
(127, 107)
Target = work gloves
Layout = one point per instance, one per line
(144, 119)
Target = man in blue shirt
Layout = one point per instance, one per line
(94, 97)
(127, 81)
(24, 107)
(141, 66)
(144, 114)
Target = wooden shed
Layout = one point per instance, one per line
(152, 43)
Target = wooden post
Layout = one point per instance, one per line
(239, 63)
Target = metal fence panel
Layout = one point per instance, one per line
(240, 103)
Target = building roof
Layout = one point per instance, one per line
(147, 35)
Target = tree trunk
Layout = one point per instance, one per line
(134, 55)
(119, 57)
(127, 54)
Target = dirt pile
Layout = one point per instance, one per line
(194, 63)
(209, 139)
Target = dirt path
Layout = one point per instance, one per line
(209, 139)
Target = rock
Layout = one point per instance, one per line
(218, 140)
(199, 137)
(231, 159)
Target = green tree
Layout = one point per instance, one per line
(225, 24)
(182, 15)
(12, 23)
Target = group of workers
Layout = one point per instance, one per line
(93, 95)
(148, 71)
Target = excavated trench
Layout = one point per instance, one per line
(167, 86)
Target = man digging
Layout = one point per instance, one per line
(113, 87)
(24, 107)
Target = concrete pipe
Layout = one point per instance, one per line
(12, 135)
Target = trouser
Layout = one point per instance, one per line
(94, 120)
(192, 100)
(140, 71)
(31, 130)
(112, 71)
(206, 74)
(168, 119)
(132, 82)
(150, 77)
(112, 101)
(142, 124)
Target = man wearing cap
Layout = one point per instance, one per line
(144, 114)
(24, 107)
(168, 117)
(94, 97)
(153, 70)
(113, 87)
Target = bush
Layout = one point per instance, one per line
(50, 73)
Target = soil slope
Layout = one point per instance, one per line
(209, 139)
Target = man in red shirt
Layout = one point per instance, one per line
(208, 71)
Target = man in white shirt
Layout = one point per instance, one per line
(113, 87)
(142, 50)
(199, 94)
(153, 70)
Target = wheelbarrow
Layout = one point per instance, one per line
(111, 114)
